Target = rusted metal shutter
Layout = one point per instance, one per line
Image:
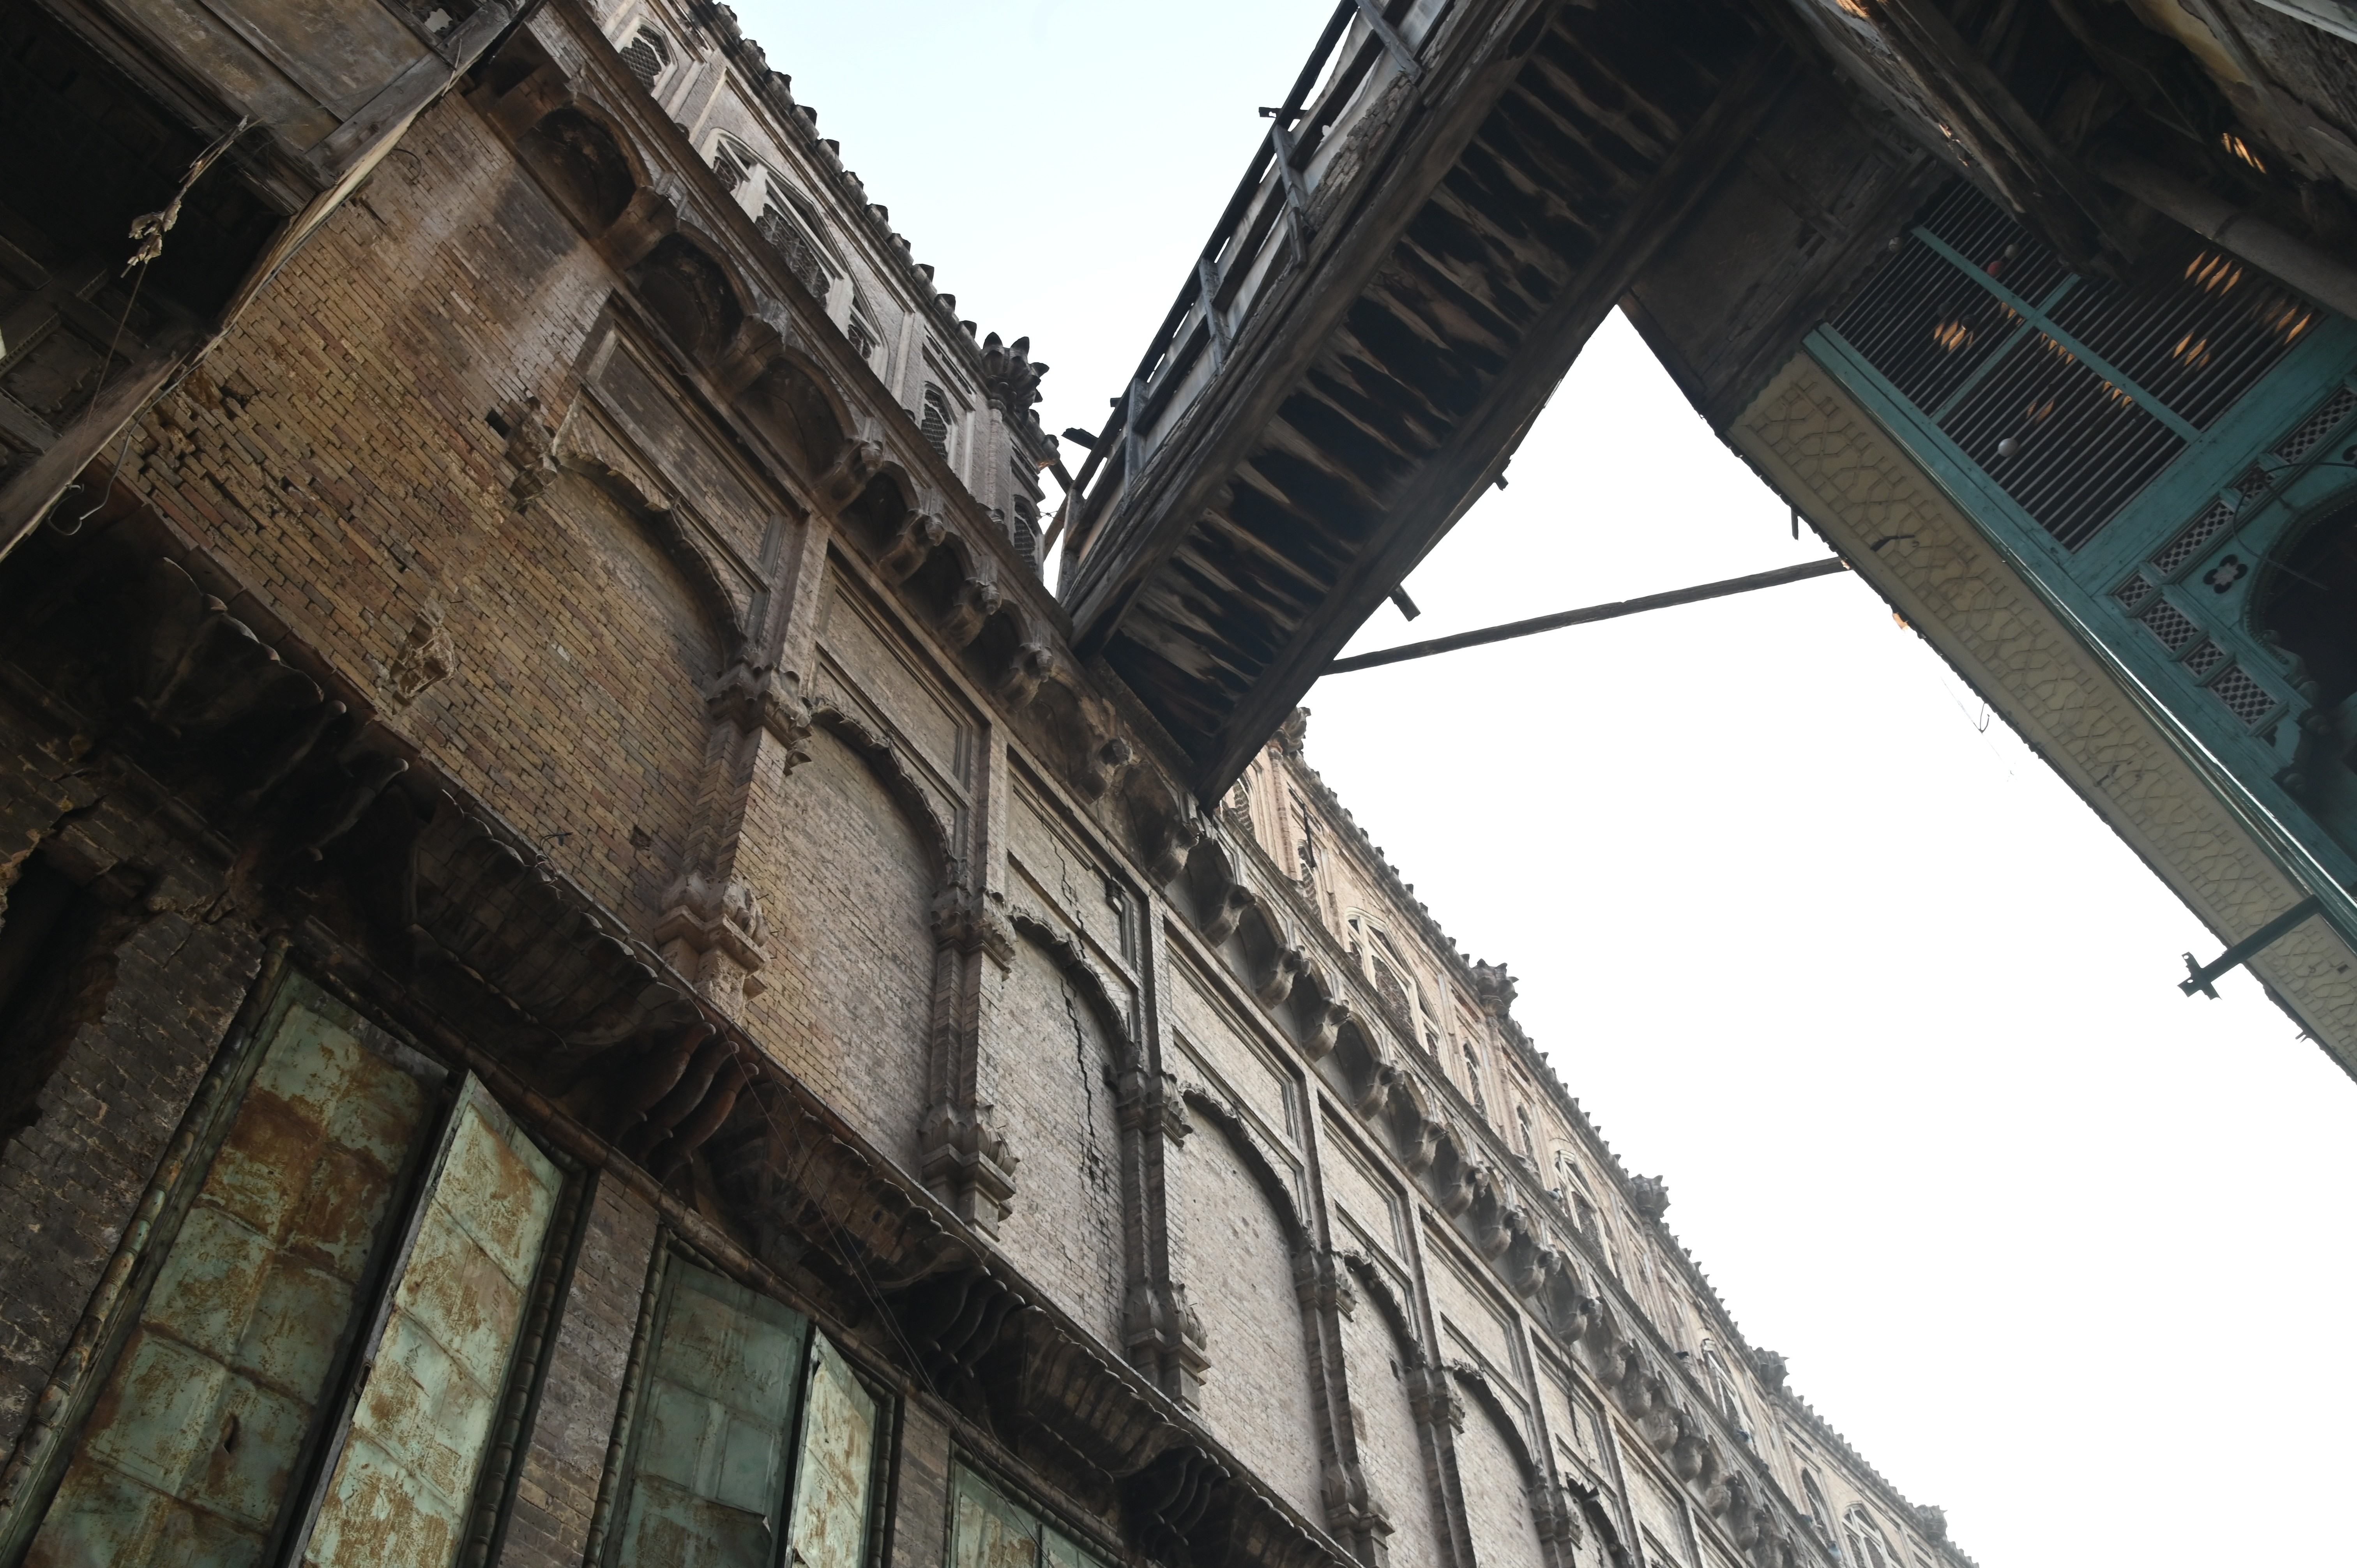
(833, 1465)
(200, 1429)
(404, 1480)
(990, 1530)
(708, 1462)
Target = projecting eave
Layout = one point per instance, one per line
(1475, 229)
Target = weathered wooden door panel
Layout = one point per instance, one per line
(836, 1459)
(190, 1449)
(404, 1481)
(709, 1463)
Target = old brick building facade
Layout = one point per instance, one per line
(594, 971)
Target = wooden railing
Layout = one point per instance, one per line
(1265, 231)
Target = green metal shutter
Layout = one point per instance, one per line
(404, 1480)
(709, 1458)
(836, 1459)
(990, 1530)
(193, 1445)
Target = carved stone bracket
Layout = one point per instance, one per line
(973, 922)
(1150, 1101)
(1322, 1281)
(764, 698)
(1162, 1334)
(1431, 1399)
(715, 932)
(964, 1154)
(921, 534)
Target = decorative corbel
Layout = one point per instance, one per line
(1174, 838)
(1228, 912)
(1322, 1281)
(715, 933)
(1287, 968)
(1019, 682)
(977, 600)
(1432, 1399)
(860, 460)
(973, 922)
(964, 1154)
(764, 698)
(1149, 1100)
(1106, 761)
(921, 534)
(531, 450)
(1325, 1029)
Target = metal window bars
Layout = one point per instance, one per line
(1264, 232)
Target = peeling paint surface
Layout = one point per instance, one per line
(993, 1531)
(837, 1458)
(191, 1447)
(710, 1463)
(405, 1480)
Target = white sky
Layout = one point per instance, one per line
(1892, 1011)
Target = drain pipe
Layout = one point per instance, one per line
(2320, 278)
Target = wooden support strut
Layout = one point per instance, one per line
(1207, 277)
(1619, 607)
(1372, 13)
(1297, 195)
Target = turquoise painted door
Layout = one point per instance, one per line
(191, 1450)
(708, 1474)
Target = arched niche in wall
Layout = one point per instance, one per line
(1497, 1476)
(583, 163)
(690, 296)
(1380, 1354)
(793, 408)
(1234, 1232)
(1050, 1064)
(592, 619)
(857, 860)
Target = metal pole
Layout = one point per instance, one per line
(1777, 578)
(2198, 978)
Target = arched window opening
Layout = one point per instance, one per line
(934, 423)
(1395, 998)
(732, 162)
(1473, 1081)
(1722, 1387)
(1819, 1510)
(647, 56)
(786, 226)
(1522, 1127)
(1863, 1541)
(2311, 604)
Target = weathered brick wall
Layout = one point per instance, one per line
(1497, 1500)
(1382, 1420)
(556, 1495)
(69, 1183)
(334, 453)
(1049, 1071)
(850, 984)
(1229, 1248)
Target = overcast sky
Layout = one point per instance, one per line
(1892, 1011)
